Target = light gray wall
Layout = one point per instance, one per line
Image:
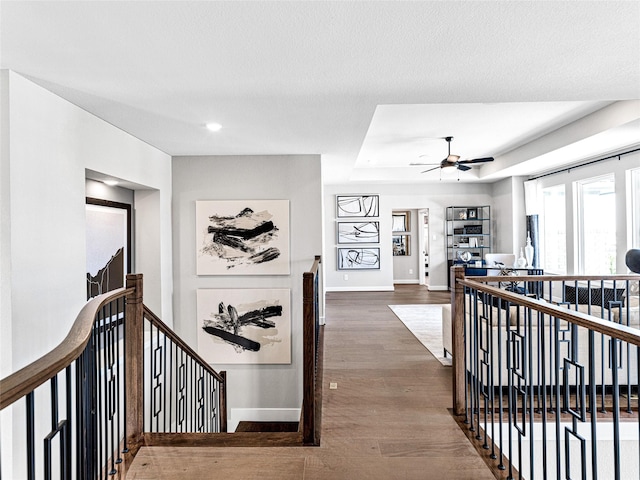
(435, 197)
(296, 178)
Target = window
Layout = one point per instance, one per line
(634, 207)
(597, 225)
(553, 230)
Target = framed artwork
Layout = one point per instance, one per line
(462, 215)
(400, 222)
(472, 213)
(108, 235)
(242, 237)
(357, 206)
(358, 232)
(401, 245)
(244, 326)
(365, 258)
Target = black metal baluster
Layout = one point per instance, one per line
(110, 384)
(118, 329)
(467, 312)
(124, 374)
(542, 385)
(164, 383)
(493, 455)
(31, 445)
(66, 472)
(98, 413)
(592, 406)
(556, 368)
(171, 373)
(500, 391)
(531, 387)
(616, 409)
(53, 382)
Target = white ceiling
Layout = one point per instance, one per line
(365, 84)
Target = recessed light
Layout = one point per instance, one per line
(111, 183)
(214, 127)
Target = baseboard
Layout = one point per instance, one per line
(414, 281)
(236, 415)
(437, 288)
(360, 289)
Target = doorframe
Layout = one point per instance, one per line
(422, 213)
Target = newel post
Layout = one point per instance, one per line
(134, 351)
(457, 336)
(309, 357)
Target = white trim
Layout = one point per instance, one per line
(437, 288)
(407, 282)
(360, 289)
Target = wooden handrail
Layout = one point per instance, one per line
(612, 329)
(28, 378)
(511, 369)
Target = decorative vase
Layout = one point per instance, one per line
(528, 252)
(521, 262)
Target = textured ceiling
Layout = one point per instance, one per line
(308, 77)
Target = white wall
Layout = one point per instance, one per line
(51, 143)
(252, 388)
(435, 197)
(47, 146)
(508, 224)
(568, 179)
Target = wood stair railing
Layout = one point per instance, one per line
(122, 379)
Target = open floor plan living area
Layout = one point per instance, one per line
(319, 239)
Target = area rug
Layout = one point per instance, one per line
(425, 322)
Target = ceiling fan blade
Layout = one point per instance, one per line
(423, 164)
(478, 160)
(463, 168)
(430, 170)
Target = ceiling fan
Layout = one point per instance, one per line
(453, 161)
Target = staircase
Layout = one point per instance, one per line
(122, 380)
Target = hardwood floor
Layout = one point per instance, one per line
(388, 419)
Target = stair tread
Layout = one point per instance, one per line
(246, 426)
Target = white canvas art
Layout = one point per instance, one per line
(244, 326)
(242, 237)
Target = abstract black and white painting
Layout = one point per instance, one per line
(366, 258)
(358, 232)
(108, 235)
(242, 237)
(357, 205)
(244, 326)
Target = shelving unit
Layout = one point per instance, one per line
(468, 229)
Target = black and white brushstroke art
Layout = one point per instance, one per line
(357, 206)
(242, 237)
(358, 232)
(366, 258)
(244, 326)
